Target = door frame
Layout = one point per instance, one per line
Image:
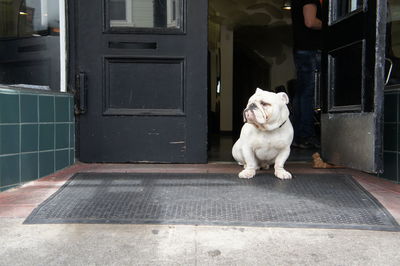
(369, 115)
(71, 76)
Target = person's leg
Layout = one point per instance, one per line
(297, 115)
(306, 63)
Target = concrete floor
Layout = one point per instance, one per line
(191, 245)
(79, 244)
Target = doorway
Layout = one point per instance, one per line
(249, 46)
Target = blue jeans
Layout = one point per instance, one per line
(307, 62)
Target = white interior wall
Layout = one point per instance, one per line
(226, 79)
(214, 36)
(213, 80)
(283, 71)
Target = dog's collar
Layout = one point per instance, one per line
(282, 124)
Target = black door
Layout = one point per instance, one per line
(353, 83)
(142, 64)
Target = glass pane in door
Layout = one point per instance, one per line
(30, 44)
(342, 8)
(145, 13)
(393, 43)
(345, 75)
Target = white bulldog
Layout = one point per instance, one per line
(266, 135)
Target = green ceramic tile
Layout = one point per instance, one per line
(9, 139)
(390, 107)
(71, 109)
(72, 135)
(29, 108)
(398, 107)
(390, 165)
(390, 137)
(62, 159)
(62, 136)
(46, 137)
(29, 138)
(62, 109)
(9, 108)
(9, 170)
(398, 168)
(46, 108)
(29, 167)
(7, 188)
(46, 163)
(398, 137)
(71, 156)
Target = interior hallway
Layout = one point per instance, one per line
(220, 150)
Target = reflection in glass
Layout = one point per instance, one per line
(346, 67)
(393, 43)
(145, 13)
(344, 7)
(30, 43)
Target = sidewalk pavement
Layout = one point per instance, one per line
(101, 244)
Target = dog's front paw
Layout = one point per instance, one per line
(283, 174)
(247, 173)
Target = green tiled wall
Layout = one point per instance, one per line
(36, 135)
(391, 139)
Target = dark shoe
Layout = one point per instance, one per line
(301, 144)
(295, 144)
(306, 143)
(310, 143)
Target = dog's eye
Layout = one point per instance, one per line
(265, 104)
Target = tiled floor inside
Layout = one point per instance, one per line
(220, 147)
(19, 202)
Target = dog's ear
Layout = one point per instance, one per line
(259, 90)
(284, 97)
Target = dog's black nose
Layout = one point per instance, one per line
(252, 106)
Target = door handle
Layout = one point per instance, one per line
(82, 85)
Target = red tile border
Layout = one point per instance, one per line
(16, 211)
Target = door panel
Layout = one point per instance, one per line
(129, 90)
(344, 144)
(145, 68)
(352, 83)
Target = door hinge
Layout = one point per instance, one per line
(81, 85)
